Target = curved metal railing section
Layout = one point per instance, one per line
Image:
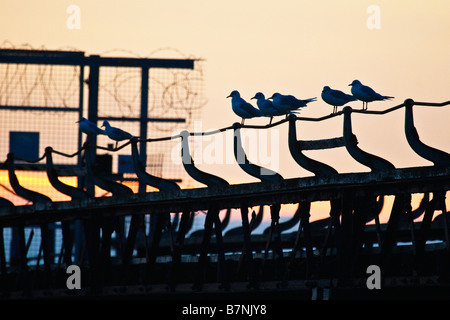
(73, 192)
(254, 170)
(90, 235)
(438, 157)
(159, 222)
(47, 231)
(205, 178)
(375, 163)
(151, 180)
(162, 221)
(319, 169)
(25, 193)
(265, 175)
(159, 183)
(212, 221)
(109, 224)
(115, 188)
(295, 148)
(208, 179)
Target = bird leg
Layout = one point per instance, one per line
(242, 121)
(270, 122)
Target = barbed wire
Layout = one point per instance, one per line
(24, 84)
(172, 92)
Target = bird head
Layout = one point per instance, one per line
(105, 124)
(258, 96)
(81, 120)
(233, 94)
(354, 83)
(326, 88)
(274, 95)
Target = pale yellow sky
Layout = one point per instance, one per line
(293, 47)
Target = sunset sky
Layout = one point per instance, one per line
(291, 47)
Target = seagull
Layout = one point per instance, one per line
(336, 98)
(287, 103)
(365, 93)
(242, 108)
(116, 133)
(266, 106)
(89, 127)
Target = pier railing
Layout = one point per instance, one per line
(111, 240)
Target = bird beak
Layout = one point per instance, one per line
(252, 98)
(77, 121)
(228, 96)
(350, 84)
(270, 97)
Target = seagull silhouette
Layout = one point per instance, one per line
(89, 127)
(242, 108)
(366, 94)
(116, 133)
(287, 103)
(336, 98)
(266, 106)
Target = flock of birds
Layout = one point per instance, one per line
(276, 105)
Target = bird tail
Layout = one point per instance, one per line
(310, 99)
(388, 97)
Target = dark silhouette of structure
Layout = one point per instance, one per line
(333, 253)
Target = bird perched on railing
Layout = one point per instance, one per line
(365, 93)
(242, 108)
(89, 127)
(266, 106)
(288, 103)
(116, 134)
(336, 98)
